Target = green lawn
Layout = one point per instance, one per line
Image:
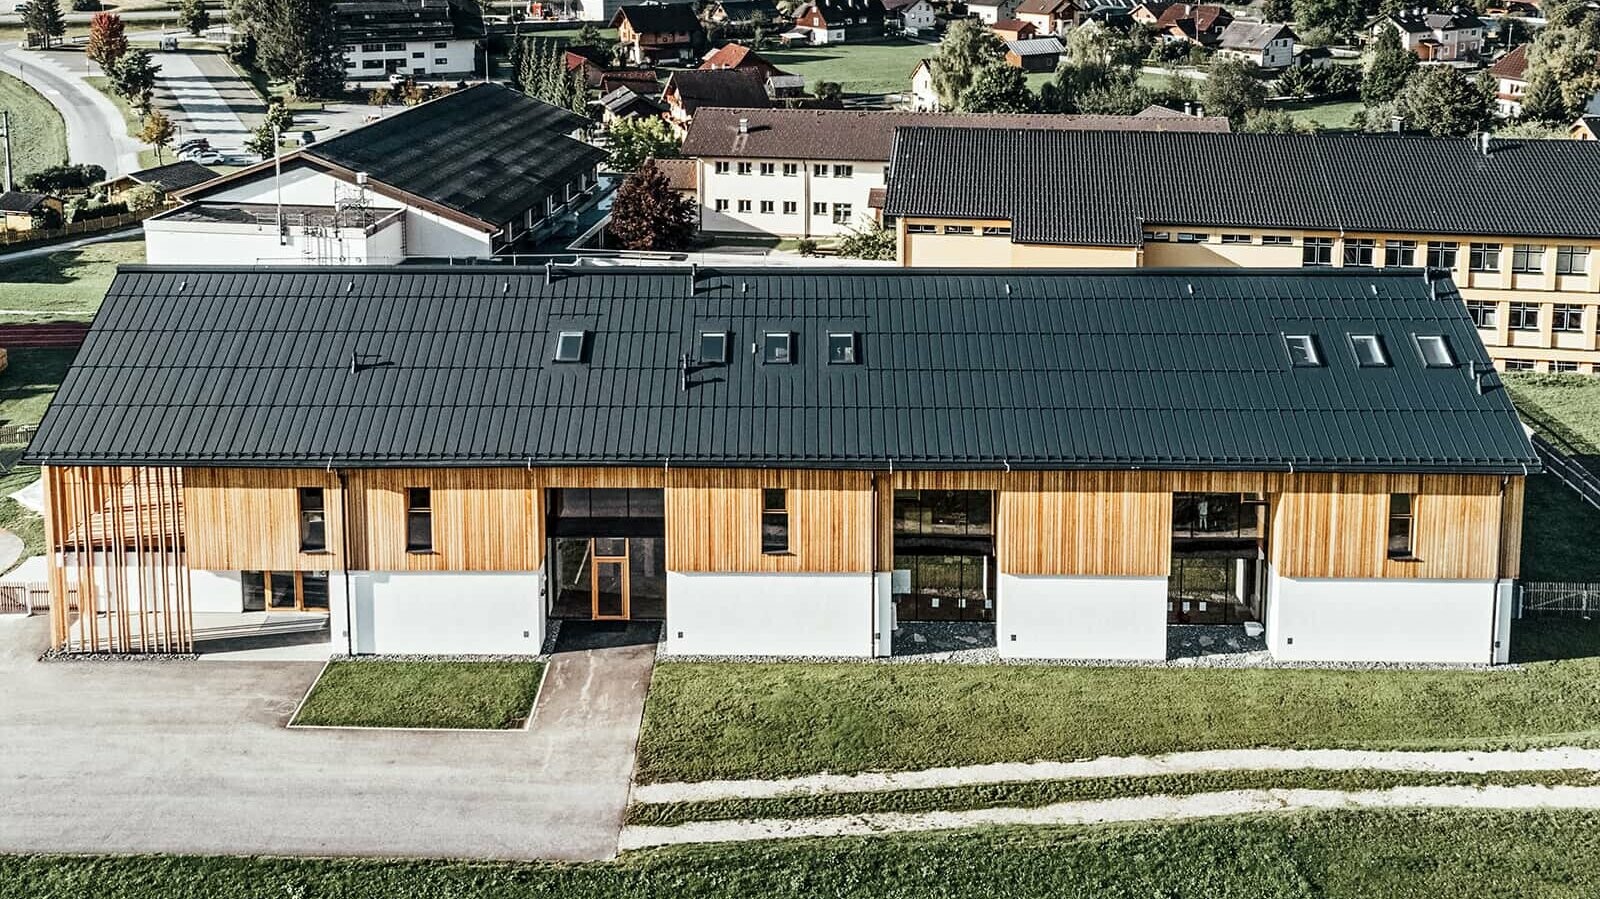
(1424, 854)
(67, 284)
(1329, 115)
(485, 695)
(1041, 793)
(875, 68)
(1565, 408)
(755, 720)
(38, 135)
(1559, 527)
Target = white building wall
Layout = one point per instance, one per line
(209, 591)
(300, 186)
(447, 612)
(1051, 617)
(456, 57)
(197, 243)
(803, 189)
(1381, 620)
(989, 15)
(770, 614)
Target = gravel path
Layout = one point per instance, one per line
(1138, 808)
(1456, 761)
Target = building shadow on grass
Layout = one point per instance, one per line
(1554, 639)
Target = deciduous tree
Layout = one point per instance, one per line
(998, 88)
(1389, 64)
(194, 16)
(108, 39)
(1232, 89)
(277, 122)
(133, 76)
(157, 131)
(1444, 103)
(649, 215)
(967, 46)
(632, 141)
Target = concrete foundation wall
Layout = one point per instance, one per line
(1046, 617)
(770, 614)
(1382, 620)
(446, 612)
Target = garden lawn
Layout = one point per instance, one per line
(1425, 854)
(66, 284)
(38, 135)
(875, 68)
(483, 695)
(758, 720)
(1328, 115)
(1565, 409)
(1558, 526)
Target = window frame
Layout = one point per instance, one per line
(724, 340)
(1527, 258)
(310, 518)
(419, 508)
(1422, 342)
(769, 349)
(562, 353)
(850, 342)
(1399, 253)
(775, 521)
(1359, 252)
(1479, 256)
(1524, 316)
(1562, 313)
(1572, 260)
(1439, 250)
(1311, 358)
(1317, 252)
(1485, 314)
(1408, 517)
(1375, 355)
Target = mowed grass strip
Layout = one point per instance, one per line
(67, 284)
(706, 721)
(482, 695)
(882, 67)
(1035, 794)
(1418, 854)
(38, 134)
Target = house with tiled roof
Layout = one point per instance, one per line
(991, 11)
(915, 17)
(836, 21)
(780, 461)
(22, 210)
(657, 33)
(1048, 16)
(811, 172)
(1008, 30)
(1039, 54)
(409, 37)
(738, 57)
(1266, 45)
(1510, 75)
(1195, 23)
(1585, 128)
(1453, 35)
(689, 90)
(1529, 273)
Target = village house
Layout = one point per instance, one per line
(1326, 456)
(427, 38)
(166, 179)
(22, 210)
(469, 174)
(1509, 73)
(1266, 45)
(1040, 54)
(1527, 273)
(837, 21)
(687, 91)
(915, 17)
(1454, 35)
(812, 172)
(659, 33)
(1008, 30)
(1200, 24)
(1048, 16)
(991, 11)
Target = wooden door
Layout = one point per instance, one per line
(608, 579)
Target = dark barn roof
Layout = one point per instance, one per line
(486, 151)
(1093, 187)
(175, 176)
(958, 369)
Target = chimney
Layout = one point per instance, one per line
(1199, 110)
(1483, 143)
(1396, 124)
(744, 125)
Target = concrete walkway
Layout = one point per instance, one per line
(1453, 761)
(1136, 808)
(95, 131)
(193, 757)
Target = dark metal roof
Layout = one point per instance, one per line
(486, 151)
(1095, 187)
(174, 176)
(959, 369)
(658, 18)
(21, 201)
(742, 88)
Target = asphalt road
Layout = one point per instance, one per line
(95, 131)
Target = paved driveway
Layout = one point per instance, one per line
(193, 757)
(95, 130)
(207, 98)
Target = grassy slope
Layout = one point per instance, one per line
(30, 379)
(877, 68)
(1558, 527)
(1566, 408)
(1333, 854)
(1042, 793)
(733, 720)
(38, 135)
(67, 284)
(423, 694)
(1334, 115)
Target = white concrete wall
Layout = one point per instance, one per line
(209, 591)
(1381, 620)
(1049, 617)
(803, 189)
(216, 591)
(446, 612)
(883, 582)
(197, 243)
(455, 57)
(770, 614)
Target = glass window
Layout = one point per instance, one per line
(1519, 365)
(790, 207)
(721, 166)
(313, 590)
(744, 205)
(1563, 367)
(949, 513)
(844, 171)
(1302, 350)
(313, 520)
(1358, 252)
(920, 229)
(774, 520)
(255, 590)
(1524, 316)
(1276, 240)
(1484, 257)
(1435, 350)
(419, 519)
(819, 171)
(722, 205)
(1442, 254)
(1192, 237)
(767, 206)
(791, 169)
(1157, 236)
(958, 229)
(769, 168)
(1369, 350)
(1317, 251)
(1483, 314)
(777, 348)
(1214, 515)
(996, 230)
(1236, 238)
(744, 168)
(1572, 261)
(819, 208)
(714, 347)
(843, 348)
(1527, 258)
(1401, 530)
(841, 213)
(1401, 253)
(569, 346)
(1567, 317)
(280, 589)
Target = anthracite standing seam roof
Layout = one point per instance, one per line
(958, 369)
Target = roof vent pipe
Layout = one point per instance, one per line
(1483, 142)
(694, 277)
(1397, 124)
(549, 272)
(744, 125)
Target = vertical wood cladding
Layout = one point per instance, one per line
(714, 520)
(1094, 523)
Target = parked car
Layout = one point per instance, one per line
(204, 157)
(306, 138)
(194, 143)
(397, 79)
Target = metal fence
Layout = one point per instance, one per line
(24, 599)
(1551, 599)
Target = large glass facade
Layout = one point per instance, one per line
(607, 553)
(1216, 558)
(944, 555)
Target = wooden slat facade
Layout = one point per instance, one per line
(714, 520)
(248, 519)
